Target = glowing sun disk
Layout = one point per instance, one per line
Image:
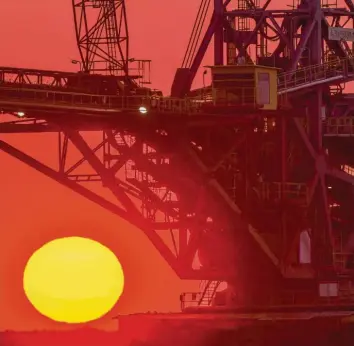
(73, 280)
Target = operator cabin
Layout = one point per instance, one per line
(247, 86)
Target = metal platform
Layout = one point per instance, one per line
(236, 318)
(262, 329)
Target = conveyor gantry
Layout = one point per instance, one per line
(26, 90)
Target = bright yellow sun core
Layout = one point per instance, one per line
(73, 280)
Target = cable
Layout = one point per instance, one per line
(195, 35)
(192, 55)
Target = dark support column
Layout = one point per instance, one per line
(315, 48)
(315, 120)
(314, 116)
(283, 145)
(219, 34)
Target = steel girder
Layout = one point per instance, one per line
(208, 185)
(147, 198)
(191, 192)
(272, 37)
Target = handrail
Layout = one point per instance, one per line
(269, 190)
(308, 74)
(339, 126)
(16, 95)
(327, 63)
(68, 98)
(31, 76)
(202, 298)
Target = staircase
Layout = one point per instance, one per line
(314, 75)
(203, 298)
(208, 290)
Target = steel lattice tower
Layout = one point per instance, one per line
(102, 35)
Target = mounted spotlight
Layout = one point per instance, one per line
(143, 110)
(20, 114)
(77, 62)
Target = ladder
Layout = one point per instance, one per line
(111, 28)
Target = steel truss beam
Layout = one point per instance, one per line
(289, 30)
(143, 188)
(183, 191)
(23, 76)
(102, 35)
(235, 194)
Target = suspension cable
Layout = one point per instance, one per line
(191, 38)
(197, 40)
(196, 32)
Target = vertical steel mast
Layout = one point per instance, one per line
(102, 36)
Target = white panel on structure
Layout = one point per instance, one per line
(340, 34)
(263, 88)
(328, 289)
(333, 289)
(305, 247)
(323, 112)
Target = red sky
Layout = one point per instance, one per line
(39, 34)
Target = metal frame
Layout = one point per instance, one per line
(238, 190)
(102, 35)
(152, 208)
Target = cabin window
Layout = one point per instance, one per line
(263, 88)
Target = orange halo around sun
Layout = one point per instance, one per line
(73, 280)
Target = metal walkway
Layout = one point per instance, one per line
(315, 75)
(27, 90)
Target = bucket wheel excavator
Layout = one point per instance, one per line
(252, 175)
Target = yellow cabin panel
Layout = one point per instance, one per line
(245, 81)
(232, 69)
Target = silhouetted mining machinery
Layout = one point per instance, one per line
(245, 184)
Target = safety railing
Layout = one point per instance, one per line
(59, 98)
(203, 298)
(100, 102)
(19, 97)
(190, 299)
(290, 298)
(339, 126)
(137, 69)
(242, 96)
(274, 191)
(178, 105)
(313, 74)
